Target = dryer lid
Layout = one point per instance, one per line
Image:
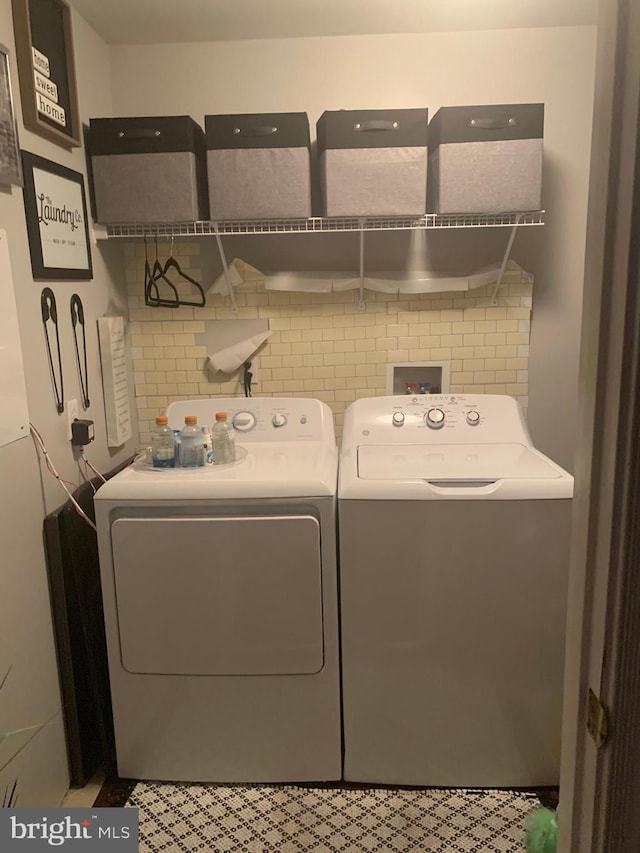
(454, 463)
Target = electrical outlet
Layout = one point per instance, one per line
(72, 414)
(254, 370)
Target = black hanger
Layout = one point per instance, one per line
(50, 312)
(172, 264)
(77, 316)
(157, 274)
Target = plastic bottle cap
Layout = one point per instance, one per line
(191, 419)
(162, 419)
(221, 416)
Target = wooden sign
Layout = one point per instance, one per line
(44, 52)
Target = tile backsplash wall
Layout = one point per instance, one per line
(323, 346)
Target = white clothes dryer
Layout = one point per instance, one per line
(454, 549)
(220, 602)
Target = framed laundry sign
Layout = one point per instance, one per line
(57, 226)
(46, 69)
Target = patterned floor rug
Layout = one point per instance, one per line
(292, 819)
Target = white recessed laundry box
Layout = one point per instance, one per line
(486, 159)
(148, 169)
(373, 162)
(258, 166)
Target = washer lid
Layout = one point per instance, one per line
(454, 463)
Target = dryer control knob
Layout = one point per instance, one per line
(244, 421)
(397, 419)
(434, 418)
(278, 420)
(473, 418)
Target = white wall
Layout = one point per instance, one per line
(31, 694)
(555, 66)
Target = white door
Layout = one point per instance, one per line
(599, 786)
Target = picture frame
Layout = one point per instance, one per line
(57, 223)
(46, 70)
(10, 166)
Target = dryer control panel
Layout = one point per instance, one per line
(435, 418)
(262, 418)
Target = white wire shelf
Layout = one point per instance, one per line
(318, 224)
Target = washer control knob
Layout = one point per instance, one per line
(434, 418)
(244, 421)
(473, 418)
(278, 420)
(397, 419)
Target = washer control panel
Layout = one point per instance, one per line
(435, 418)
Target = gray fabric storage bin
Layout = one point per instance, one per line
(148, 169)
(258, 166)
(373, 162)
(486, 159)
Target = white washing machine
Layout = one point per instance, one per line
(454, 550)
(220, 602)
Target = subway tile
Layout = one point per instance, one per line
(481, 377)
(323, 346)
(461, 377)
(313, 360)
(407, 341)
(174, 352)
(366, 370)
(495, 388)
(156, 376)
(506, 351)
(142, 341)
(484, 352)
(496, 339)
(142, 364)
(333, 334)
(494, 363)
(298, 322)
(344, 346)
(484, 326)
(475, 313)
(195, 352)
(346, 321)
(463, 352)
(282, 373)
(324, 372)
(152, 352)
(517, 338)
(427, 341)
(419, 328)
(169, 388)
(398, 330)
(302, 372)
(517, 363)
(517, 388)
(334, 358)
(474, 340)
(365, 345)
(376, 331)
(364, 320)
(473, 364)
(441, 328)
(280, 349)
(146, 389)
(441, 353)
(303, 348)
(451, 340)
(164, 340)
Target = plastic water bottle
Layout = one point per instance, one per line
(208, 445)
(163, 450)
(224, 440)
(191, 444)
